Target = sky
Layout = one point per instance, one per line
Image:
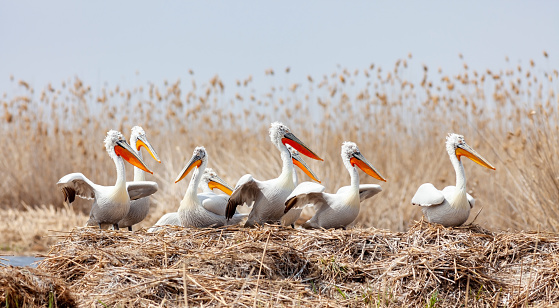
(130, 43)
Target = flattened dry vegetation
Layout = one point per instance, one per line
(275, 266)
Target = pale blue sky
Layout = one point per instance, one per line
(109, 41)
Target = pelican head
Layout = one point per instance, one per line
(352, 157)
(138, 139)
(299, 162)
(457, 146)
(211, 179)
(199, 157)
(118, 147)
(281, 135)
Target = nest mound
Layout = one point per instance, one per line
(29, 287)
(273, 265)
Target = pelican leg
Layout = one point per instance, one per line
(115, 226)
(129, 228)
(293, 225)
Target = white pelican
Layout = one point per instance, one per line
(267, 197)
(191, 212)
(138, 208)
(340, 209)
(289, 218)
(216, 203)
(451, 206)
(111, 203)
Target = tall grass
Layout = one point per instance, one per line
(509, 116)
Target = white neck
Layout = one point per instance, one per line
(287, 166)
(190, 199)
(460, 174)
(295, 178)
(205, 188)
(139, 174)
(120, 171)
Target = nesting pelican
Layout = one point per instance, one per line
(451, 206)
(216, 203)
(111, 203)
(340, 209)
(289, 218)
(138, 208)
(191, 212)
(267, 197)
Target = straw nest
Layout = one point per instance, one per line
(268, 266)
(29, 287)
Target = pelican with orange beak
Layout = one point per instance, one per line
(192, 213)
(289, 218)
(340, 209)
(451, 206)
(211, 201)
(267, 197)
(138, 208)
(111, 203)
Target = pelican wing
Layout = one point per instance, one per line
(448, 192)
(213, 202)
(76, 184)
(246, 191)
(316, 199)
(427, 195)
(141, 189)
(366, 191)
(305, 188)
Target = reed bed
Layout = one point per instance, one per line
(429, 265)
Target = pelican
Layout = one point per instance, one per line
(451, 206)
(138, 208)
(289, 218)
(267, 197)
(191, 212)
(111, 203)
(216, 203)
(340, 209)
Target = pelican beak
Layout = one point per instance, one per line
(143, 142)
(195, 161)
(363, 164)
(465, 150)
(299, 162)
(298, 145)
(124, 150)
(219, 183)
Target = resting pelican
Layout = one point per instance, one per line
(191, 212)
(111, 203)
(340, 209)
(289, 218)
(451, 206)
(138, 208)
(216, 203)
(267, 197)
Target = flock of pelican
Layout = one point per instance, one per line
(279, 200)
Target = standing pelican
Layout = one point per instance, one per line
(289, 218)
(191, 212)
(267, 197)
(340, 209)
(215, 203)
(451, 206)
(138, 208)
(111, 203)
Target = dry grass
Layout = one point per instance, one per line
(428, 265)
(509, 116)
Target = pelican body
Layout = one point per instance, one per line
(340, 209)
(211, 201)
(191, 212)
(111, 203)
(139, 208)
(267, 197)
(451, 206)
